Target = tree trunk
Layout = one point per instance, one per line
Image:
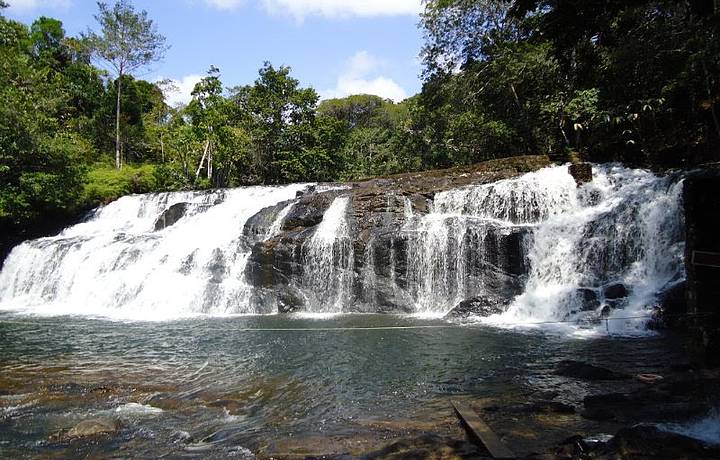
(202, 160)
(210, 162)
(118, 163)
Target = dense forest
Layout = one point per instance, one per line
(635, 81)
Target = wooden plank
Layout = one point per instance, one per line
(482, 432)
(706, 259)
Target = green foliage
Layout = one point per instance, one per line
(616, 80)
(106, 183)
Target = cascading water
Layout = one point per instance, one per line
(581, 246)
(537, 246)
(621, 232)
(117, 264)
(328, 268)
(455, 249)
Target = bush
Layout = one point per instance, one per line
(105, 183)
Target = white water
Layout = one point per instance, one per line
(329, 259)
(626, 226)
(706, 429)
(116, 265)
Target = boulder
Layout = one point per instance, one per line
(171, 215)
(646, 441)
(587, 299)
(585, 371)
(94, 427)
(478, 306)
(581, 172)
(615, 291)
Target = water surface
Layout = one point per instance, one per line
(268, 384)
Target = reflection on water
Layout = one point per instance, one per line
(221, 386)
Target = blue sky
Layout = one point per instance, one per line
(339, 47)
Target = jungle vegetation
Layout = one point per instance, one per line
(636, 81)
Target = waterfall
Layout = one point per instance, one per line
(454, 250)
(536, 247)
(624, 229)
(118, 264)
(329, 259)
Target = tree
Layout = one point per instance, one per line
(279, 117)
(128, 42)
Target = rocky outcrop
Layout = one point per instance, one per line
(581, 172)
(478, 306)
(380, 216)
(173, 214)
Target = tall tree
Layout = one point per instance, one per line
(128, 41)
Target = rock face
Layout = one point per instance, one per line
(372, 247)
(701, 198)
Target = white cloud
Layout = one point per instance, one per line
(28, 5)
(360, 75)
(225, 4)
(179, 91)
(331, 8)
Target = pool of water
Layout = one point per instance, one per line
(269, 384)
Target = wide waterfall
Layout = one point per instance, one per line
(535, 248)
(122, 263)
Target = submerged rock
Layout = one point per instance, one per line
(430, 447)
(585, 371)
(94, 427)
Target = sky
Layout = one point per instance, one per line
(339, 47)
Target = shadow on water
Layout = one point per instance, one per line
(271, 383)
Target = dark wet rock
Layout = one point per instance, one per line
(606, 310)
(588, 299)
(615, 291)
(581, 172)
(649, 442)
(427, 446)
(171, 215)
(478, 306)
(672, 311)
(309, 210)
(93, 428)
(257, 227)
(672, 399)
(585, 371)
